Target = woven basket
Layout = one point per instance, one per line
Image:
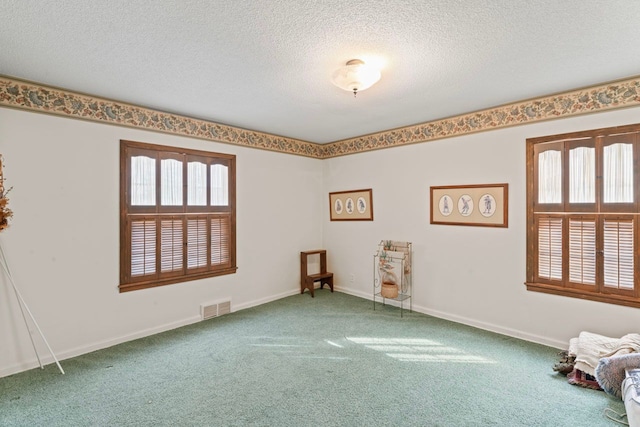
(389, 290)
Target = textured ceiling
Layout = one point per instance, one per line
(265, 65)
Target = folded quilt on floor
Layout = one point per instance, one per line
(590, 348)
(585, 351)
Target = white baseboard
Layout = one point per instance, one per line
(265, 300)
(360, 294)
(78, 351)
(99, 345)
(493, 328)
(470, 322)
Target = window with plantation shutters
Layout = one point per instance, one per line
(177, 215)
(582, 199)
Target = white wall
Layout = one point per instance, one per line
(473, 275)
(63, 243)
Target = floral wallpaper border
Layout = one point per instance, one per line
(623, 93)
(31, 96)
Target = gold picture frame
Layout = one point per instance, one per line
(353, 205)
(484, 205)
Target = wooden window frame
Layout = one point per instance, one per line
(224, 218)
(598, 211)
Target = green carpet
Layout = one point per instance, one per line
(300, 361)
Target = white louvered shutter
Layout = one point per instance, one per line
(550, 248)
(582, 251)
(171, 245)
(618, 254)
(143, 247)
(196, 242)
(220, 241)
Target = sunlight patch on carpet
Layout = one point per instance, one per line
(418, 350)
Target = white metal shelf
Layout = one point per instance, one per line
(393, 257)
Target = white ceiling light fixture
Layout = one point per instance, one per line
(355, 76)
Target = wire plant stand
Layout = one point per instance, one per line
(392, 274)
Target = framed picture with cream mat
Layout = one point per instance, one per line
(484, 205)
(353, 205)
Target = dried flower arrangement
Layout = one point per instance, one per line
(5, 212)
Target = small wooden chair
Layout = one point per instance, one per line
(324, 277)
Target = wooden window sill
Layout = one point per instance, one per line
(576, 293)
(133, 286)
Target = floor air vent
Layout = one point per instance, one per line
(212, 310)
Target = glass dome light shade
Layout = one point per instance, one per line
(355, 76)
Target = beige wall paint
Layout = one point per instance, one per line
(63, 242)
